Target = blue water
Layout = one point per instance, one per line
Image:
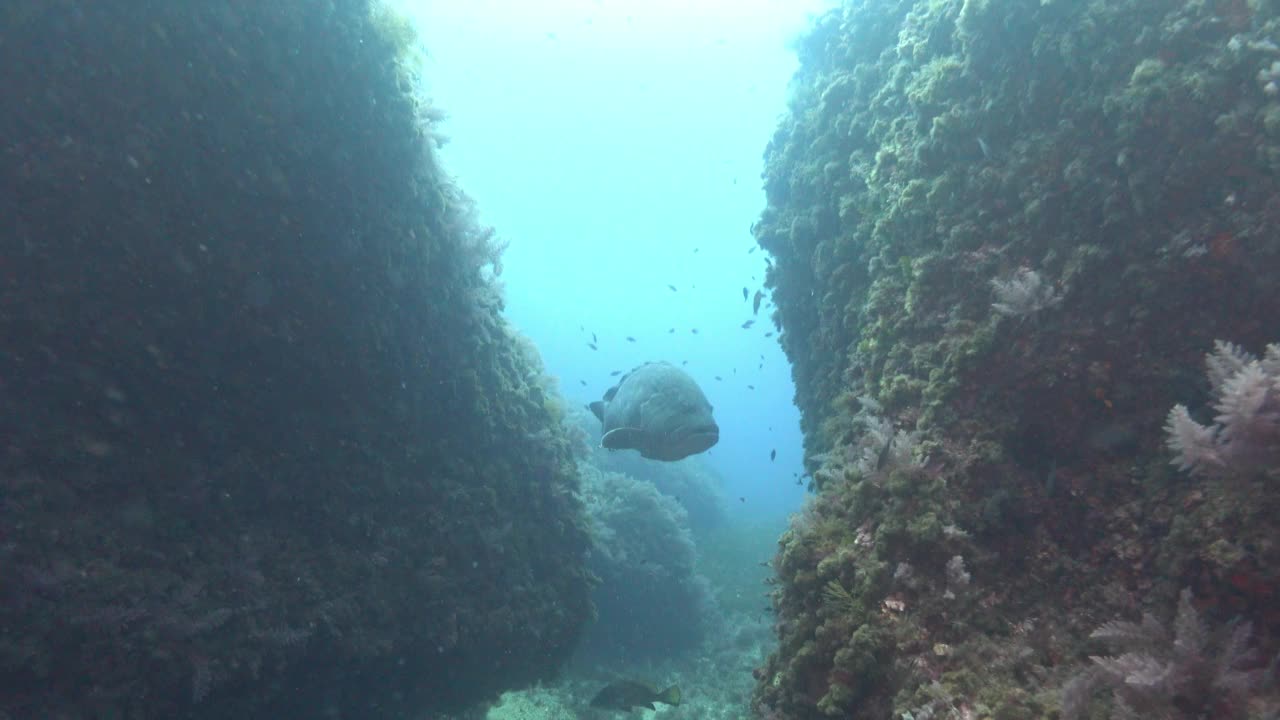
(617, 146)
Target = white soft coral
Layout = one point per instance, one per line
(1245, 435)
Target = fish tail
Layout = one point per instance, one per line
(670, 696)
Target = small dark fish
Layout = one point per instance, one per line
(769, 334)
(593, 338)
(760, 366)
(630, 339)
(748, 324)
(673, 287)
(755, 302)
(684, 362)
(751, 249)
(773, 455)
(671, 331)
(591, 345)
(741, 499)
(719, 378)
(615, 373)
(751, 387)
(745, 293)
(695, 250)
(694, 331)
(584, 383)
(768, 263)
(627, 694)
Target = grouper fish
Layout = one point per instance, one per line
(660, 411)
(627, 694)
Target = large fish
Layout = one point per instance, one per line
(660, 411)
(628, 694)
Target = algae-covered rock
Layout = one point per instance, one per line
(269, 449)
(1014, 229)
(652, 602)
(531, 704)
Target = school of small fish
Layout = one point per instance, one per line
(756, 299)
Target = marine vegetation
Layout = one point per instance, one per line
(1009, 230)
(1187, 673)
(1023, 293)
(269, 448)
(651, 601)
(1245, 434)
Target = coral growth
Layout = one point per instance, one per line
(1023, 293)
(1122, 149)
(1245, 434)
(875, 449)
(1188, 672)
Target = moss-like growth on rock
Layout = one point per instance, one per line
(269, 448)
(652, 603)
(1014, 228)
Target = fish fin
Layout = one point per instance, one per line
(670, 696)
(624, 438)
(597, 409)
(648, 705)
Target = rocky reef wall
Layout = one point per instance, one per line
(268, 448)
(1006, 235)
(652, 603)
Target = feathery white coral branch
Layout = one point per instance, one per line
(1245, 435)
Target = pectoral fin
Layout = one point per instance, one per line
(625, 438)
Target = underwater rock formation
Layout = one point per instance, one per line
(269, 449)
(652, 602)
(1014, 229)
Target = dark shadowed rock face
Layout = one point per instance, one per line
(268, 448)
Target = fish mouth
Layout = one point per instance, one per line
(704, 436)
(681, 444)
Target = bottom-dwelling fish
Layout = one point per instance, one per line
(627, 694)
(660, 411)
